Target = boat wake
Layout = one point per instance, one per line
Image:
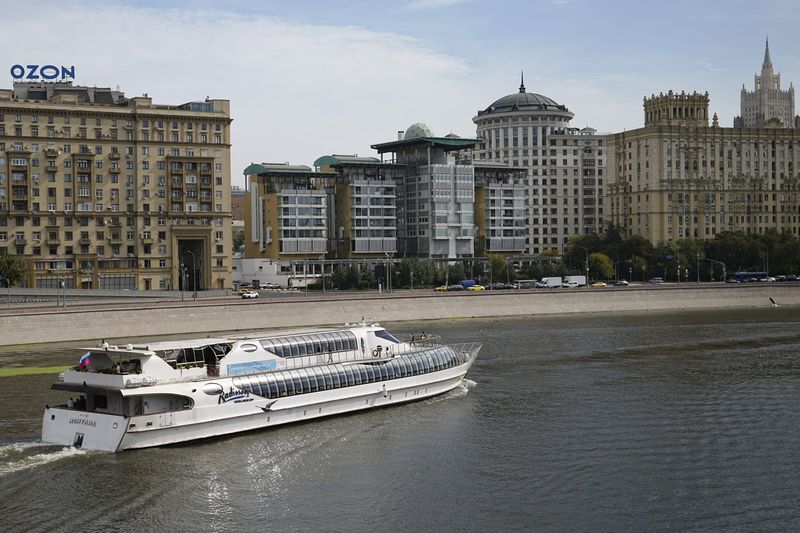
(461, 390)
(24, 455)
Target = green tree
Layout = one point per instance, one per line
(498, 263)
(14, 268)
(238, 239)
(600, 266)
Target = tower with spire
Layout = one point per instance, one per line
(767, 105)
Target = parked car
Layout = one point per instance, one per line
(249, 294)
(441, 288)
(621, 283)
(243, 290)
(656, 280)
(599, 284)
(499, 286)
(768, 278)
(455, 288)
(476, 288)
(270, 285)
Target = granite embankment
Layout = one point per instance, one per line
(228, 315)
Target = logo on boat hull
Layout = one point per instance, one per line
(234, 396)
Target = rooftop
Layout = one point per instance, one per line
(523, 101)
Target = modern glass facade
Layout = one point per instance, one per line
(335, 376)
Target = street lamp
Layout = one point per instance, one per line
(587, 261)
(194, 274)
(8, 286)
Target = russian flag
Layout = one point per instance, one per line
(85, 360)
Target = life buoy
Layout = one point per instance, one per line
(375, 353)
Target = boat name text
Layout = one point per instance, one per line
(83, 422)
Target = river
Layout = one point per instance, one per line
(656, 421)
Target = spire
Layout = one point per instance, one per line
(521, 82)
(767, 61)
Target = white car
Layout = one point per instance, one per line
(249, 294)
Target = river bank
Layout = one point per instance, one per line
(234, 314)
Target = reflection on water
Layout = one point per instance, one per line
(587, 422)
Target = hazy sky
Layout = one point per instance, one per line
(309, 78)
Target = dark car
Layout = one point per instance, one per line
(455, 288)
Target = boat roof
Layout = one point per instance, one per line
(168, 345)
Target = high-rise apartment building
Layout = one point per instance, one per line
(436, 195)
(767, 105)
(362, 204)
(98, 190)
(679, 177)
(565, 165)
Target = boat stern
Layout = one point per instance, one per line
(83, 429)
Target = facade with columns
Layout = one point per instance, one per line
(767, 104)
(678, 177)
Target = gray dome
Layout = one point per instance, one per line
(523, 101)
(418, 131)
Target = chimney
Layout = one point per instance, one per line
(400, 134)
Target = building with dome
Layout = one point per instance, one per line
(564, 165)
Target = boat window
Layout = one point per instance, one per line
(295, 346)
(292, 383)
(249, 348)
(280, 384)
(347, 375)
(326, 378)
(337, 374)
(339, 345)
(385, 335)
(312, 379)
(304, 383)
(272, 383)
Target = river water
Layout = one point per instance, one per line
(683, 421)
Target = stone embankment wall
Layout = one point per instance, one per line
(230, 315)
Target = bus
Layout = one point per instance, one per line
(746, 277)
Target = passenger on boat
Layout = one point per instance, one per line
(70, 403)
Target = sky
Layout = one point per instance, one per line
(310, 78)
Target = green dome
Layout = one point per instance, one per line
(418, 131)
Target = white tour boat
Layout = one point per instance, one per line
(176, 391)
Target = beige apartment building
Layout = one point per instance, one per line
(98, 190)
(678, 177)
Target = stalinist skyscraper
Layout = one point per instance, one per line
(767, 105)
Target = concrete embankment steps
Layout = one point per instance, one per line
(230, 315)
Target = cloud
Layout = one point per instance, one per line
(297, 91)
(425, 5)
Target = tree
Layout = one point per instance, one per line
(600, 266)
(499, 265)
(14, 268)
(238, 239)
